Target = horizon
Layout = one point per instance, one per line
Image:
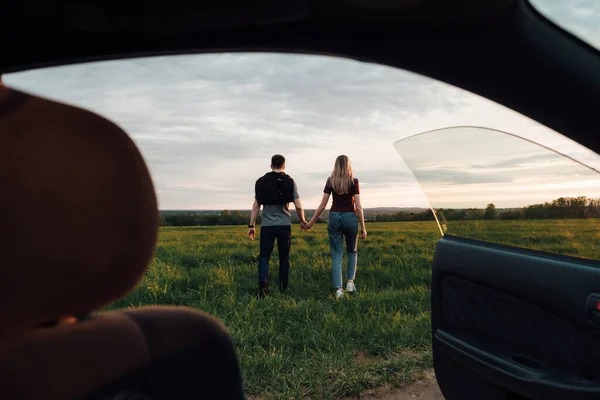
(291, 208)
(400, 208)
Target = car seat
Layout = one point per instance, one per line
(78, 227)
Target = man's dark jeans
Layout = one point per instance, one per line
(268, 234)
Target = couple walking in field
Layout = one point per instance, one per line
(275, 190)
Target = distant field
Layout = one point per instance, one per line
(572, 237)
(305, 344)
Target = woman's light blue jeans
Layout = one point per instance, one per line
(340, 226)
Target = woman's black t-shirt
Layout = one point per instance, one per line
(343, 202)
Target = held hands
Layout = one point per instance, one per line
(306, 226)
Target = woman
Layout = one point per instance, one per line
(344, 217)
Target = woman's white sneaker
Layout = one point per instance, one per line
(350, 287)
(339, 293)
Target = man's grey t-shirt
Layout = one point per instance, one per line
(278, 214)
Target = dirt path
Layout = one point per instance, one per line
(427, 389)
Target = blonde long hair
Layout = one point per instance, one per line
(341, 177)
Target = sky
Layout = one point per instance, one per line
(207, 125)
(472, 166)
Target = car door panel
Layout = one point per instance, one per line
(515, 317)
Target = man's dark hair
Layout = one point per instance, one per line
(277, 161)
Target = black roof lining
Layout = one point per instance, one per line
(184, 15)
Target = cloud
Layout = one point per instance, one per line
(448, 176)
(518, 161)
(213, 120)
(371, 176)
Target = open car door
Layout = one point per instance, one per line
(515, 289)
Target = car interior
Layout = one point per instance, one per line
(507, 322)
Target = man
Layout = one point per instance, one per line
(274, 191)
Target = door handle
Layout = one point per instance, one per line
(593, 309)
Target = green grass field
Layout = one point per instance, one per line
(306, 344)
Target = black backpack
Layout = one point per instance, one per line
(274, 188)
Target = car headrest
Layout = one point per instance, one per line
(78, 212)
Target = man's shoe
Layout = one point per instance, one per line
(263, 291)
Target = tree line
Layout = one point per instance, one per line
(561, 208)
(225, 217)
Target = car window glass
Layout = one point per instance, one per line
(493, 186)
